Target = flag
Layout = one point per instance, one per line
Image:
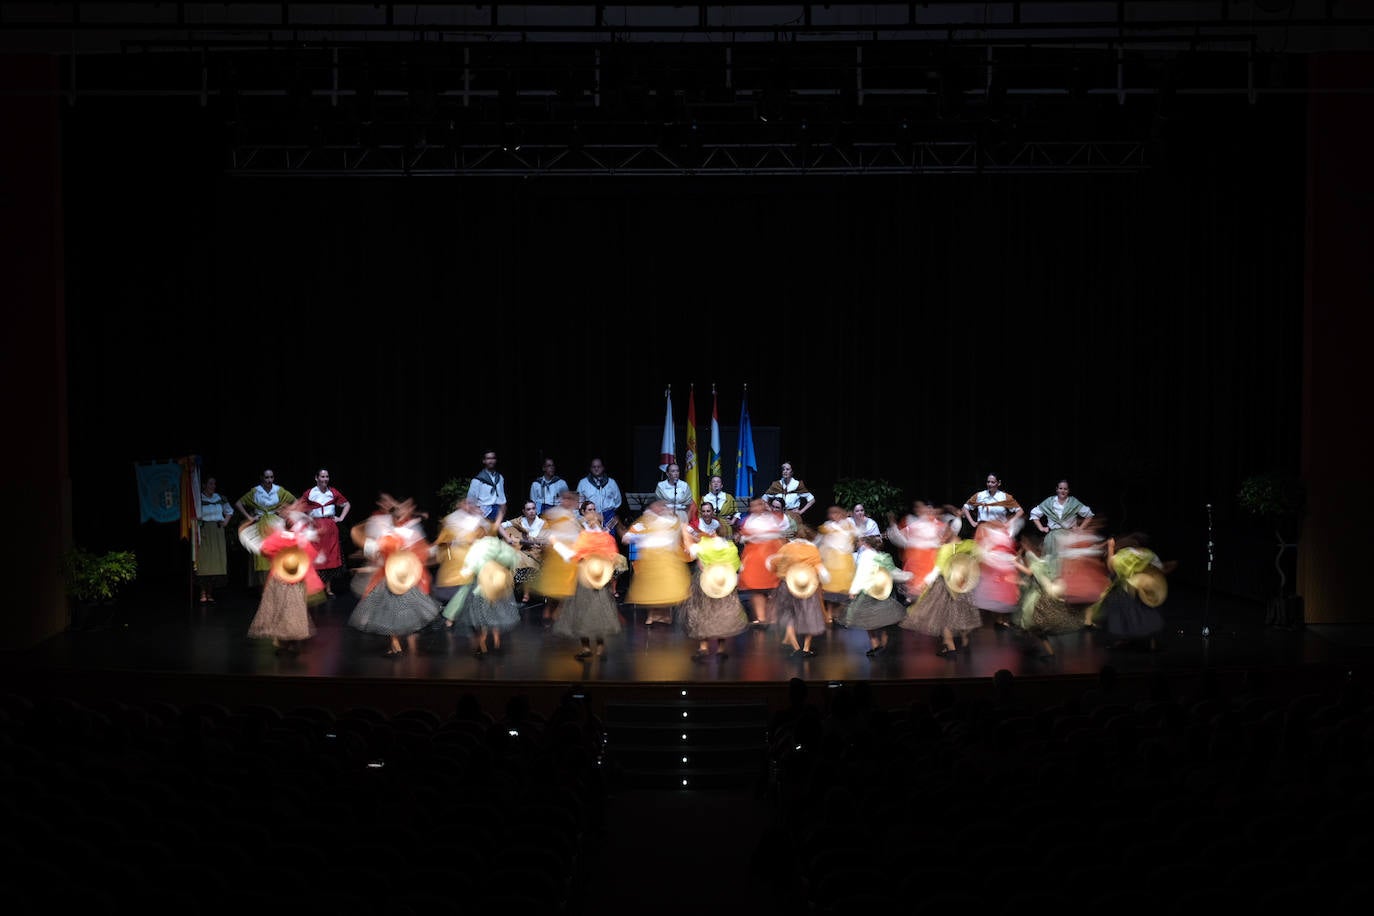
(713, 460)
(745, 462)
(668, 450)
(692, 483)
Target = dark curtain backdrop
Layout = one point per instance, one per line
(1139, 334)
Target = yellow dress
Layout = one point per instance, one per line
(557, 578)
(661, 576)
(451, 548)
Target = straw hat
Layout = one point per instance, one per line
(718, 580)
(962, 574)
(495, 580)
(801, 580)
(1150, 586)
(250, 536)
(595, 571)
(290, 564)
(881, 589)
(403, 572)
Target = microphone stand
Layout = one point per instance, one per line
(1207, 601)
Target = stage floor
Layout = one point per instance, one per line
(173, 635)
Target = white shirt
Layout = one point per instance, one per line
(869, 528)
(605, 497)
(678, 496)
(544, 492)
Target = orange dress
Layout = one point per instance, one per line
(763, 537)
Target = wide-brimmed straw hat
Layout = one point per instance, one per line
(962, 575)
(290, 564)
(495, 580)
(718, 580)
(881, 589)
(403, 572)
(802, 580)
(1150, 586)
(595, 571)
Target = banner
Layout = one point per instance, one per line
(668, 449)
(693, 483)
(159, 491)
(713, 460)
(745, 462)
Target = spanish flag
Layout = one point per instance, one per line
(692, 482)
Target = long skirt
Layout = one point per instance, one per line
(381, 611)
(939, 609)
(590, 613)
(212, 558)
(704, 617)
(282, 612)
(1127, 617)
(475, 610)
(806, 615)
(868, 613)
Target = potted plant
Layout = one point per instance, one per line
(878, 497)
(93, 579)
(1277, 500)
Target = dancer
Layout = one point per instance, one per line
(998, 593)
(872, 604)
(328, 508)
(1044, 612)
(919, 536)
(661, 580)
(556, 580)
(213, 513)
(486, 604)
(761, 535)
(1080, 554)
(396, 602)
(945, 609)
(1058, 513)
(591, 613)
(796, 602)
(458, 531)
(1139, 586)
(263, 504)
(283, 613)
(713, 609)
(837, 540)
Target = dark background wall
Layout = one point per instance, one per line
(1138, 333)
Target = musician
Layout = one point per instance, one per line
(993, 505)
(488, 488)
(796, 496)
(675, 493)
(601, 488)
(727, 512)
(545, 489)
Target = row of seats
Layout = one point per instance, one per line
(1113, 799)
(211, 809)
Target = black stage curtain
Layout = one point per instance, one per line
(1140, 334)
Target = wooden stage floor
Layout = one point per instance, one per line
(169, 643)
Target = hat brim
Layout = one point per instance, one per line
(403, 572)
(290, 565)
(718, 580)
(595, 571)
(495, 580)
(881, 589)
(1150, 586)
(962, 575)
(802, 581)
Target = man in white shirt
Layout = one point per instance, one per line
(488, 489)
(675, 493)
(545, 489)
(603, 491)
(726, 511)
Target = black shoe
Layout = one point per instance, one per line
(872, 651)
(699, 655)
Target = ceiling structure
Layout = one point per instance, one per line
(711, 88)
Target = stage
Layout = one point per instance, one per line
(158, 643)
